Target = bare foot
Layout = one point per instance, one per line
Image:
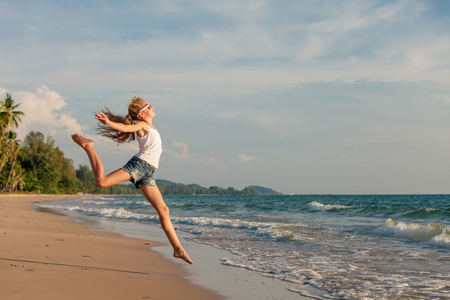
(184, 256)
(83, 142)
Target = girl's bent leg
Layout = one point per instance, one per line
(155, 198)
(97, 167)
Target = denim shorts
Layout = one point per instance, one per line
(140, 171)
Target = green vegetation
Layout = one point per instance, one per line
(37, 165)
(263, 190)
(171, 188)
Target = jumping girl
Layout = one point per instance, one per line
(140, 168)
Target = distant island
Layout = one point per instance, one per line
(263, 190)
(171, 188)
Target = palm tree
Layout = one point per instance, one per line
(14, 148)
(3, 154)
(18, 180)
(3, 158)
(9, 117)
(5, 147)
(9, 113)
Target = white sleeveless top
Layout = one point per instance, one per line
(150, 147)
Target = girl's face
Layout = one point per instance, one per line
(146, 109)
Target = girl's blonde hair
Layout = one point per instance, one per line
(132, 116)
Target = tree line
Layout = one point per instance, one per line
(37, 165)
(171, 188)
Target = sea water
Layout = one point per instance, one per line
(347, 246)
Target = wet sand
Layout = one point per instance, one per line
(46, 256)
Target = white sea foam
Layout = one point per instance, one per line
(442, 240)
(115, 213)
(95, 202)
(270, 230)
(316, 206)
(266, 229)
(437, 234)
(95, 198)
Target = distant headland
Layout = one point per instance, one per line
(171, 188)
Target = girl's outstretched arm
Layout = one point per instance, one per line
(119, 126)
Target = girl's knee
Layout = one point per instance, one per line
(163, 212)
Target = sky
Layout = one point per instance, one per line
(304, 97)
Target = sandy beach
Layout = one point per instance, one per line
(46, 256)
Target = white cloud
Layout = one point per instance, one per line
(429, 55)
(43, 109)
(179, 151)
(44, 112)
(245, 158)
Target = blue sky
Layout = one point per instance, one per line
(299, 96)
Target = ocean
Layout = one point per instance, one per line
(345, 246)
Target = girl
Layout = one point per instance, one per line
(139, 169)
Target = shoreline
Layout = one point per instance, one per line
(208, 271)
(233, 283)
(48, 256)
